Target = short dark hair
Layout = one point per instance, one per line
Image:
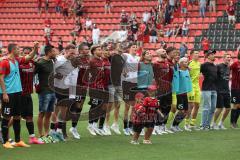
(70, 46)
(170, 49)
(11, 47)
(93, 48)
(48, 49)
(27, 48)
(191, 52)
(81, 45)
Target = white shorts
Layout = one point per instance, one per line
(231, 18)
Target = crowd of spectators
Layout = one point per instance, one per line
(155, 22)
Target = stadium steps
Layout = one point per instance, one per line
(222, 35)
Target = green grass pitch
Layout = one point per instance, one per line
(197, 145)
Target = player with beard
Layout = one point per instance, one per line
(115, 90)
(163, 74)
(129, 83)
(63, 66)
(209, 90)
(223, 92)
(161, 70)
(113, 69)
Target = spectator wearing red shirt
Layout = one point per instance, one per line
(124, 20)
(235, 92)
(231, 13)
(184, 4)
(205, 45)
(11, 93)
(140, 34)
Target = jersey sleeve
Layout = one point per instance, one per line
(4, 67)
(37, 67)
(21, 60)
(233, 66)
(202, 68)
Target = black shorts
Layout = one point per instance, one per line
(138, 127)
(235, 96)
(129, 91)
(13, 107)
(100, 94)
(223, 100)
(26, 106)
(166, 100)
(182, 102)
(62, 100)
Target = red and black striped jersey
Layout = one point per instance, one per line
(26, 74)
(163, 74)
(235, 68)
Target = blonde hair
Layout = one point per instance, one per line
(226, 54)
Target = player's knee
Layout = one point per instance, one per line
(16, 117)
(29, 118)
(48, 115)
(6, 117)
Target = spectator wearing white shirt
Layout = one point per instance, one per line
(146, 16)
(95, 34)
(172, 5)
(48, 33)
(88, 24)
(185, 26)
(212, 5)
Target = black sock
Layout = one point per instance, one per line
(74, 124)
(53, 126)
(5, 130)
(101, 122)
(125, 123)
(60, 125)
(233, 116)
(17, 129)
(238, 114)
(178, 119)
(64, 128)
(92, 114)
(30, 127)
(130, 124)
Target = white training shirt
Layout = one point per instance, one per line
(130, 68)
(64, 67)
(146, 17)
(95, 33)
(88, 23)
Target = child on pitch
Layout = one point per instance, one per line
(144, 114)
